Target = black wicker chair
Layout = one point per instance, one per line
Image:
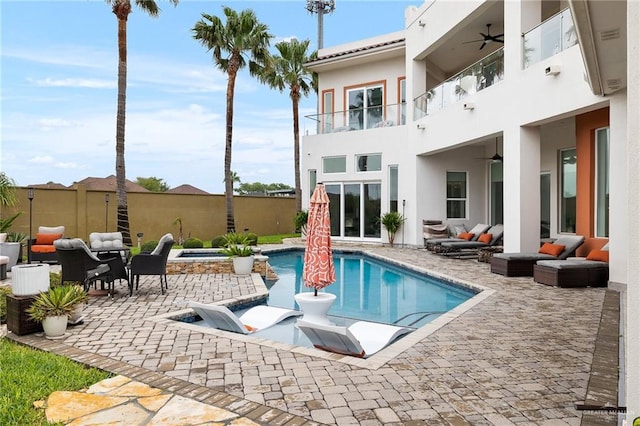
(79, 264)
(154, 263)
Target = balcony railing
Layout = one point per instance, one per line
(484, 73)
(372, 117)
(549, 38)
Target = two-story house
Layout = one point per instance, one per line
(513, 112)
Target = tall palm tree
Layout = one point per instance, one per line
(239, 42)
(289, 71)
(122, 9)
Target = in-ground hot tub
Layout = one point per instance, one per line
(209, 261)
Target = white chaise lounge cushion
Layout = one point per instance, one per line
(254, 319)
(361, 339)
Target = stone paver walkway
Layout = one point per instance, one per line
(521, 355)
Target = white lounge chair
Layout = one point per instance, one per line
(361, 339)
(254, 319)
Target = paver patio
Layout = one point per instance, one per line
(522, 355)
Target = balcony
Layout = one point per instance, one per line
(354, 119)
(484, 73)
(549, 38)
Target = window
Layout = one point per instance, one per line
(327, 109)
(545, 205)
(393, 188)
(355, 209)
(456, 195)
(313, 180)
(602, 182)
(369, 163)
(365, 107)
(334, 164)
(568, 190)
(495, 192)
(403, 101)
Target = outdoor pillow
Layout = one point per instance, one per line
(466, 236)
(47, 239)
(600, 255)
(485, 238)
(45, 248)
(552, 249)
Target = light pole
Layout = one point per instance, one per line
(139, 235)
(30, 194)
(106, 212)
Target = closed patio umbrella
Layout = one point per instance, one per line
(318, 270)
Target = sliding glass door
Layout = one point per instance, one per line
(355, 209)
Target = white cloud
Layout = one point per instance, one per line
(74, 82)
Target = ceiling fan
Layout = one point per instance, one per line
(496, 158)
(487, 38)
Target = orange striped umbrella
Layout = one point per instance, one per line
(318, 270)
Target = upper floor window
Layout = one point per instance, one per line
(365, 107)
(369, 163)
(334, 164)
(456, 195)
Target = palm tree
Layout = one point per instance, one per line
(242, 41)
(122, 9)
(289, 71)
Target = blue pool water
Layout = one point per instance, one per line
(369, 289)
(366, 289)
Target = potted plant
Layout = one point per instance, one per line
(52, 308)
(241, 253)
(392, 221)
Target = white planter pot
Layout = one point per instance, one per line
(315, 308)
(55, 327)
(243, 265)
(3, 237)
(12, 250)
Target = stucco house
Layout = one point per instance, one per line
(516, 112)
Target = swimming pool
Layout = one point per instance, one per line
(369, 289)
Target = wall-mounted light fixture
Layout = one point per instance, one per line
(421, 23)
(421, 126)
(552, 70)
(468, 105)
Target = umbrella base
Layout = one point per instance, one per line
(315, 308)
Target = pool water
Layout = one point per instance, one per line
(369, 289)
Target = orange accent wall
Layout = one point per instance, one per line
(586, 125)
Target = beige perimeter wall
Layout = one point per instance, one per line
(203, 216)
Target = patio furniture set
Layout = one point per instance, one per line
(554, 264)
(105, 260)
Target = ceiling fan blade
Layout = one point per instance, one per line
(483, 45)
(499, 35)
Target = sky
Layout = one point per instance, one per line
(58, 75)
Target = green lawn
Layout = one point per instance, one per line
(28, 375)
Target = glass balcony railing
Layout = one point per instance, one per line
(549, 38)
(360, 118)
(484, 73)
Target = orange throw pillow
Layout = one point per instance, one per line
(600, 255)
(249, 328)
(47, 239)
(552, 249)
(485, 238)
(466, 236)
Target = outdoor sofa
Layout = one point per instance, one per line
(521, 264)
(592, 271)
(491, 238)
(472, 235)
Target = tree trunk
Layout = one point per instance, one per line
(295, 100)
(228, 180)
(122, 11)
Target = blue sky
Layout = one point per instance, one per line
(59, 87)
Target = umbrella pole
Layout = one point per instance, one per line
(315, 291)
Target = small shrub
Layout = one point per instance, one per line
(55, 279)
(3, 303)
(233, 238)
(300, 220)
(252, 238)
(218, 241)
(193, 243)
(148, 246)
